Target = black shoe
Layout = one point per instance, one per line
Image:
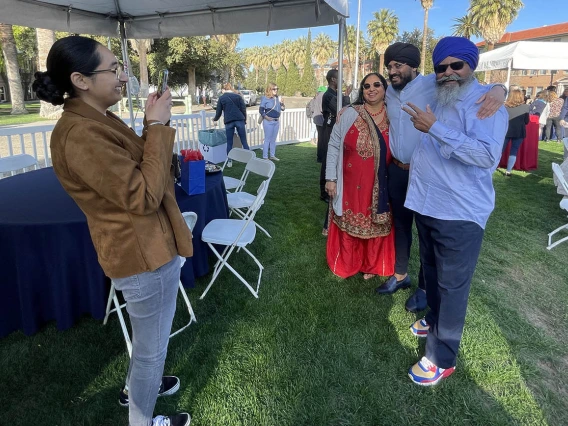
(417, 302)
(169, 386)
(391, 285)
(180, 419)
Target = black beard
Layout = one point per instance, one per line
(403, 82)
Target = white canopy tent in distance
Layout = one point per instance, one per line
(138, 19)
(525, 55)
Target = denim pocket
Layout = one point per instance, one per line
(129, 286)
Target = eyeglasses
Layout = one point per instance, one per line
(275, 88)
(376, 85)
(118, 71)
(395, 66)
(456, 66)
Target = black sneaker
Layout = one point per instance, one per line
(169, 386)
(180, 419)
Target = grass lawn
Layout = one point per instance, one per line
(318, 350)
(7, 119)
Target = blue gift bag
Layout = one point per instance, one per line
(192, 176)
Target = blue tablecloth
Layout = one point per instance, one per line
(48, 265)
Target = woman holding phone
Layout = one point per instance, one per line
(124, 185)
(271, 106)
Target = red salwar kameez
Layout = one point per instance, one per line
(355, 243)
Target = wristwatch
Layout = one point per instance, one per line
(502, 86)
(331, 180)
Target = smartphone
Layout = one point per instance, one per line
(162, 81)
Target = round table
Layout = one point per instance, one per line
(48, 264)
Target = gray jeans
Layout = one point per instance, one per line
(151, 304)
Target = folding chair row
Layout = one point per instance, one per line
(557, 170)
(240, 202)
(190, 220)
(239, 155)
(234, 234)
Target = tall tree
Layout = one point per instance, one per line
(465, 27)
(292, 80)
(324, 48)
(493, 16)
(382, 30)
(229, 42)
(308, 82)
(10, 55)
(415, 37)
(45, 39)
(426, 5)
(143, 47)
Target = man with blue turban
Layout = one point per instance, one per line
(408, 85)
(451, 192)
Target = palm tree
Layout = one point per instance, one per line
(382, 30)
(12, 69)
(298, 51)
(426, 5)
(45, 39)
(464, 27)
(230, 41)
(143, 47)
(286, 53)
(323, 48)
(492, 17)
(264, 62)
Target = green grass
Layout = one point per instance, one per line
(318, 350)
(7, 119)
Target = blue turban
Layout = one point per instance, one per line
(458, 47)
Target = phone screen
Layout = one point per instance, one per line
(162, 81)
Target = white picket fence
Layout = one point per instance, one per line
(34, 140)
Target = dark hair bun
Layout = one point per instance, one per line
(46, 90)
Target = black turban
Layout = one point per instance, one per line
(405, 53)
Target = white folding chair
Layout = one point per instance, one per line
(239, 155)
(17, 162)
(240, 202)
(190, 220)
(234, 233)
(565, 140)
(563, 205)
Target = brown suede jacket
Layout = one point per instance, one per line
(124, 185)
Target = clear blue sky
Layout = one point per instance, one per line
(535, 13)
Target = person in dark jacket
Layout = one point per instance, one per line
(234, 111)
(517, 131)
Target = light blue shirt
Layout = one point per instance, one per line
(451, 168)
(403, 136)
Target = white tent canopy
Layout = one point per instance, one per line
(171, 18)
(526, 55)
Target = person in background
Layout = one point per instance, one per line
(451, 191)
(517, 131)
(408, 85)
(540, 108)
(204, 95)
(234, 111)
(271, 106)
(317, 119)
(125, 186)
(360, 237)
(554, 118)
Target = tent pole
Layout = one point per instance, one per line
(126, 61)
(340, 65)
(509, 73)
(357, 46)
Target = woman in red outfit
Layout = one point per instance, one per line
(361, 237)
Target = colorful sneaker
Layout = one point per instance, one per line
(424, 373)
(180, 419)
(169, 386)
(420, 328)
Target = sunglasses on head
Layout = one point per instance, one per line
(376, 84)
(456, 66)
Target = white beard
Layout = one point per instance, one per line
(449, 94)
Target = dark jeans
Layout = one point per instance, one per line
(515, 145)
(402, 218)
(322, 148)
(319, 150)
(555, 121)
(449, 250)
(241, 131)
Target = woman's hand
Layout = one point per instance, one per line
(331, 189)
(159, 108)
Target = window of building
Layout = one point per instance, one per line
(557, 39)
(525, 72)
(529, 91)
(534, 72)
(2, 94)
(539, 89)
(543, 72)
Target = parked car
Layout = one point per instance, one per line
(250, 97)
